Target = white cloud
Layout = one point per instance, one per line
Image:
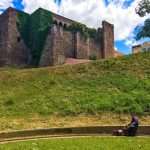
(92, 12)
(132, 42)
(116, 49)
(85, 11)
(5, 4)
(32, 5)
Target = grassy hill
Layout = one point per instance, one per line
(119, 85)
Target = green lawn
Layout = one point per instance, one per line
(94, 143)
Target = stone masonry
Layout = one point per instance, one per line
(13, 51)
(60, 43)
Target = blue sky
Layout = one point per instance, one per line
(18, 4)
(91, 12)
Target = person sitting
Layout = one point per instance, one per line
(130, 129)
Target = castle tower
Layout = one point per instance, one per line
(12, 48)
(53, 53)
(81, 46)
(107, 40)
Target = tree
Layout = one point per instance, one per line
(144, 31)
(142, 10)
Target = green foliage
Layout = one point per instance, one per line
(9, 103)
(143, 8)
(34, 30)
(92, 32)
(88, 143)
(83, 29)
(23, 26)
(144, 31)
(93, 57)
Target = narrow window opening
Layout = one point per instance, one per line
(18, 39)
(65, 26)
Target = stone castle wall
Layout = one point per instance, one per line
(81, 47)
(64, 44)
(95, 48)
(3, 39)
(68, 44)
(46, 57)
(108, 40)
(59, 46)
(12, 48)
(58, 53)
(60, 43)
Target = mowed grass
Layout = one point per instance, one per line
(119, 85)
(92, 143)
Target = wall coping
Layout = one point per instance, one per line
(71, 131)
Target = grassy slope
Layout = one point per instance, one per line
(82, 144)
(116, 85)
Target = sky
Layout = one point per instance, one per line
(121, 13)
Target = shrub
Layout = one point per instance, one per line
(83, 29)
(9, 103)
(93, 57)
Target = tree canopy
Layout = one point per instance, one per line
(144, 31)
(142, 10)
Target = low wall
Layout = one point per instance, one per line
(102, 130)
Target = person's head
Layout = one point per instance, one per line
(133, 115)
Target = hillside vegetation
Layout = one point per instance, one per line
(119, 85)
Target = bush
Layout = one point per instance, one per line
(9, 103)
(83, 29)
(93, 57)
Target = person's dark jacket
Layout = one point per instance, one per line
(134, 122)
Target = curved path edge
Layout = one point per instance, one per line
(65, 132)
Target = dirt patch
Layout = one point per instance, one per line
(36, 122)
(73, 61)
